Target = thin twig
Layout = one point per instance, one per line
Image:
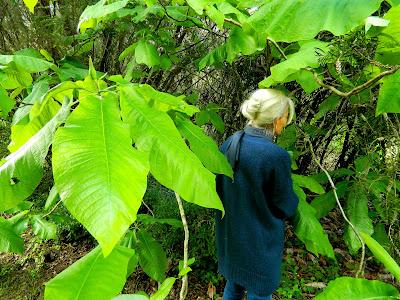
(360, 268)
(184, 288)
(148, 208)
(53, 209)
(355, 90)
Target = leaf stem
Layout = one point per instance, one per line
(184, 288)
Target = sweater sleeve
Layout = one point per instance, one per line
(284, 200)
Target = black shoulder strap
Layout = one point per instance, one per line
(233, 149)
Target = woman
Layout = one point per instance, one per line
(257, 201)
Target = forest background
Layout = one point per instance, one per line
(338, 60)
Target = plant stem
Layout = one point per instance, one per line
(184, 288)
(360, 268)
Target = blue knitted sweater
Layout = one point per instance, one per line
(250, 237)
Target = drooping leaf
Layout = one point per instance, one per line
(292, 20)
(382, 255)
(22, 170)
(171, 162)
(44, 229)
(357, 212)
(52, 199)
(100, 178)
(389, 99)
(146, 53)
(152, 257)
(164, 289)
(305, 57)
(215, 15)
(308, 229)
(204, 147)
(10, 241)
(324, 203)
(308, 182)
(6, 103)
(350, 288)
(91, 277)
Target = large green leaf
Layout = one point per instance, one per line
(293, 20)
(92, 277)
(99, 176)
(204, 147)
(324, 203)
(146, 53)
(22, 132)
(22, 170)
(171, 161)
(382, 255)
(94, 13)
(28, 60)
(389, 98)
(357, 212)
(350, 288)
(308, 182)
(305, 57)
(152, 257)
(388, 49)
(308, 229)
(10, 241)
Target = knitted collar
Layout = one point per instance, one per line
(260, 132)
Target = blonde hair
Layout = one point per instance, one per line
(266, 105)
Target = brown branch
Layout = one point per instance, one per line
(355, 90)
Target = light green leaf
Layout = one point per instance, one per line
(44, 229)
(31, 61)
(10, 241)
(146, 53)
(100, 178)
(198, 5)
(31, 4)
(305, 57)
(152, 257)
(204, 147)
(52, 199)
(171, 162)
(394, 2)
(382, 255)
(357, 212)
(215, 15)
(164, 289)
(91, 277)
(22, 170)
(388, 49)
(389, 98)
(308, 182)
(94, 13)
(293, 20)
(350, 288)
(308, 229)
(131, 297)
(375, 21)
(6, 103)
(184, 271)
(22, 132)
(227, 8)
